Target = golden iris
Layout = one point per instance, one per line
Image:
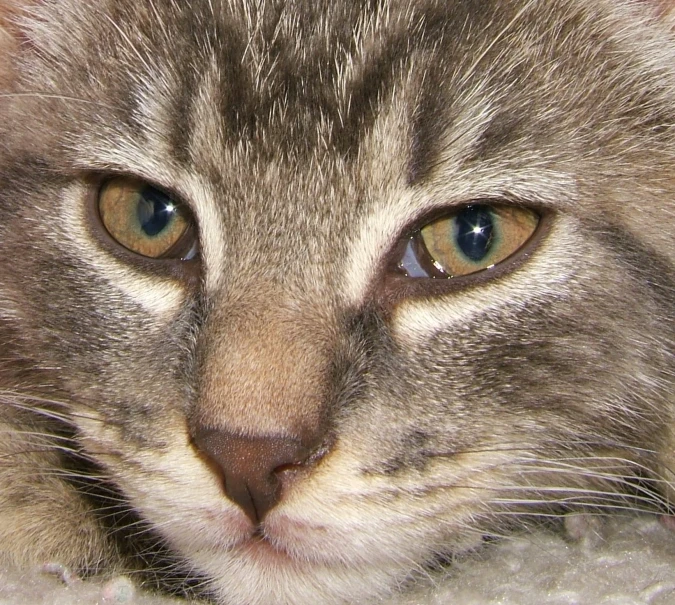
(476, 237)
(143, 218)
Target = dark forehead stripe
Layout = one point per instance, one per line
(646, 265)
(286, 67)
(312, 64)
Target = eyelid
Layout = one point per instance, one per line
(394, 286)
(186, 269)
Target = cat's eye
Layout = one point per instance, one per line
(471, 239)
(146, 220)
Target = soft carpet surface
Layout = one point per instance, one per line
(628, 561)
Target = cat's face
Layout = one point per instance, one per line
(296, 397)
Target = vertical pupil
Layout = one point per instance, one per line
(473, 229)
(154, 211)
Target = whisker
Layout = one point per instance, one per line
(67, 418)
(57, 97)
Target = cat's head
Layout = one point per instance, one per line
(329, 290)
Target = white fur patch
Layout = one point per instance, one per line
(211, 242)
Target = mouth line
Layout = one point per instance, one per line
(262, 550)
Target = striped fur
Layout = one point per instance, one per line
(307, 138)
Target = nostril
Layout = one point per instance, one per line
(251, 466)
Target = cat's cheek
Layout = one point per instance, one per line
(175, 492)
(169, 486)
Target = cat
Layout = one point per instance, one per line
(301, 298)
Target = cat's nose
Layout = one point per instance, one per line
(252, 467)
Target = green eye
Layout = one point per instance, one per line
(146, 220)
(472, 239)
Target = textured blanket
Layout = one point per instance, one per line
(628, 561)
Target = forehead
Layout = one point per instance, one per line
(295, 78)
(303, 114)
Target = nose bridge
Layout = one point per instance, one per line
(265, 370)
(261, 412)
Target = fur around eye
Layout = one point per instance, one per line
(469, 240)
(146, 220)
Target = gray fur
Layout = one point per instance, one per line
(307, 138)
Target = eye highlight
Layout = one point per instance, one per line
(146, 220)
(469, 240)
